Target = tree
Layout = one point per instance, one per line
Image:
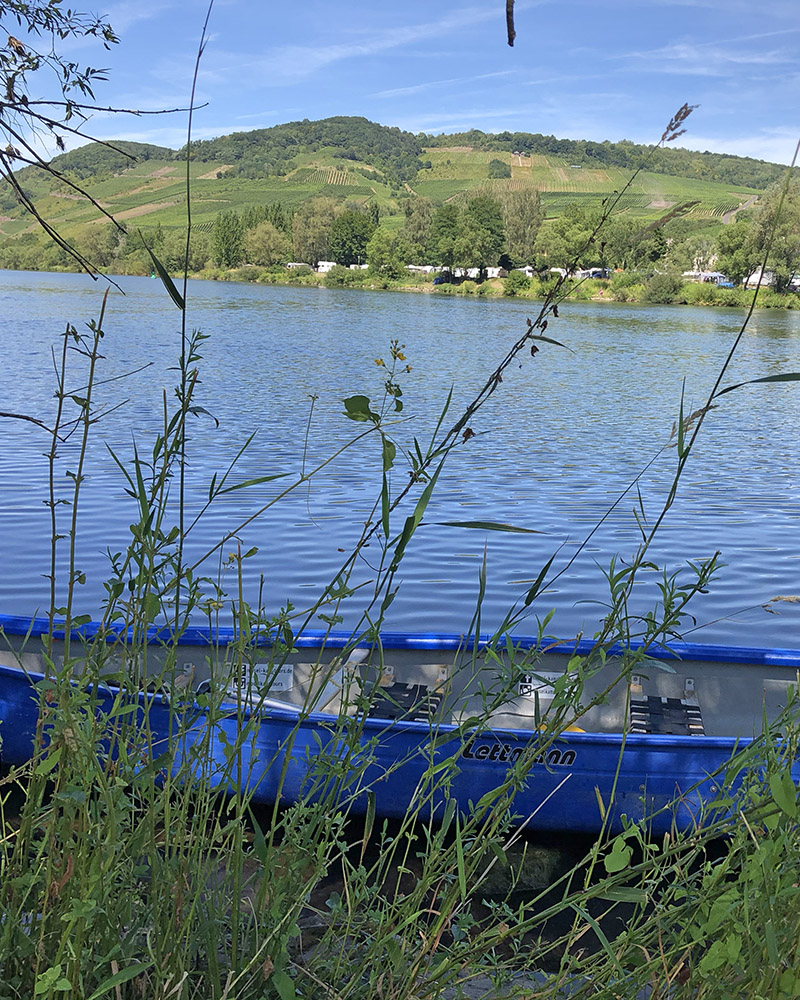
(98, 243)
(618, 240)
(522, 218)
(267, 245)
(228, 240)
(481, 235)
(565, 241)
(516, 283)
(627, 243)
(776, 232)
(499, 169)
(388, 253)
(311, 227)
(172, 252)
(349, 234)
(735, 256)
(444, 233)
(695, 252)
(663, 288)
(417, 227)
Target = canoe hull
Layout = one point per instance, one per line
(579, 782)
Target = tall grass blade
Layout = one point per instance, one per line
(786, 377)
(166, 281)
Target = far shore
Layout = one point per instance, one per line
(622, 288)
(615, 290)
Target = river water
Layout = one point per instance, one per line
(565, 435)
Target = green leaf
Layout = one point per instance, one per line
(369, 822)
(787, 377)
(620, 856)
(123, 976)
(624, 894)
(80, 909)
(549, 340)
(357, 408)
(537, 583)
(166, 281)
(46, 765)
(389, 453)
(152, 605)
(784, 792)
(385, 506)
(716, 956)
(46, 980)
(260, 847)
(413, 520)
(196, 411)
(251, 482)
(284, 984)
(462, 869)
(488, 526)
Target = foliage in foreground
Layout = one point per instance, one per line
(123, 877)
(127, 872)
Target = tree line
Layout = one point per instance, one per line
(478, 231)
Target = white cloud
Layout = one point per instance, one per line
(718, 57)
(291, 63)
(432, 84)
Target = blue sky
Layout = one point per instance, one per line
(615, 69)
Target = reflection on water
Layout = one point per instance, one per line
(567, 433)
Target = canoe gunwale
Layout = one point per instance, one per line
(445, 642)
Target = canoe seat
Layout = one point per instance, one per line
(666, 716)
(415, 702)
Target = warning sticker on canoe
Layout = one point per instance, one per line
(541, 684)
(279, 680)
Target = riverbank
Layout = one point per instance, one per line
(659, 289)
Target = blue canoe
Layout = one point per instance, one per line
(415, 720)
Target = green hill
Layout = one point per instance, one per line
(358, 162)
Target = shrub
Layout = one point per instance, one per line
(703, 294)
(517, 283)
(624, 279)
(663, 289)
(344, 277)
(628, 293)
(584, 291)
(499, 169)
